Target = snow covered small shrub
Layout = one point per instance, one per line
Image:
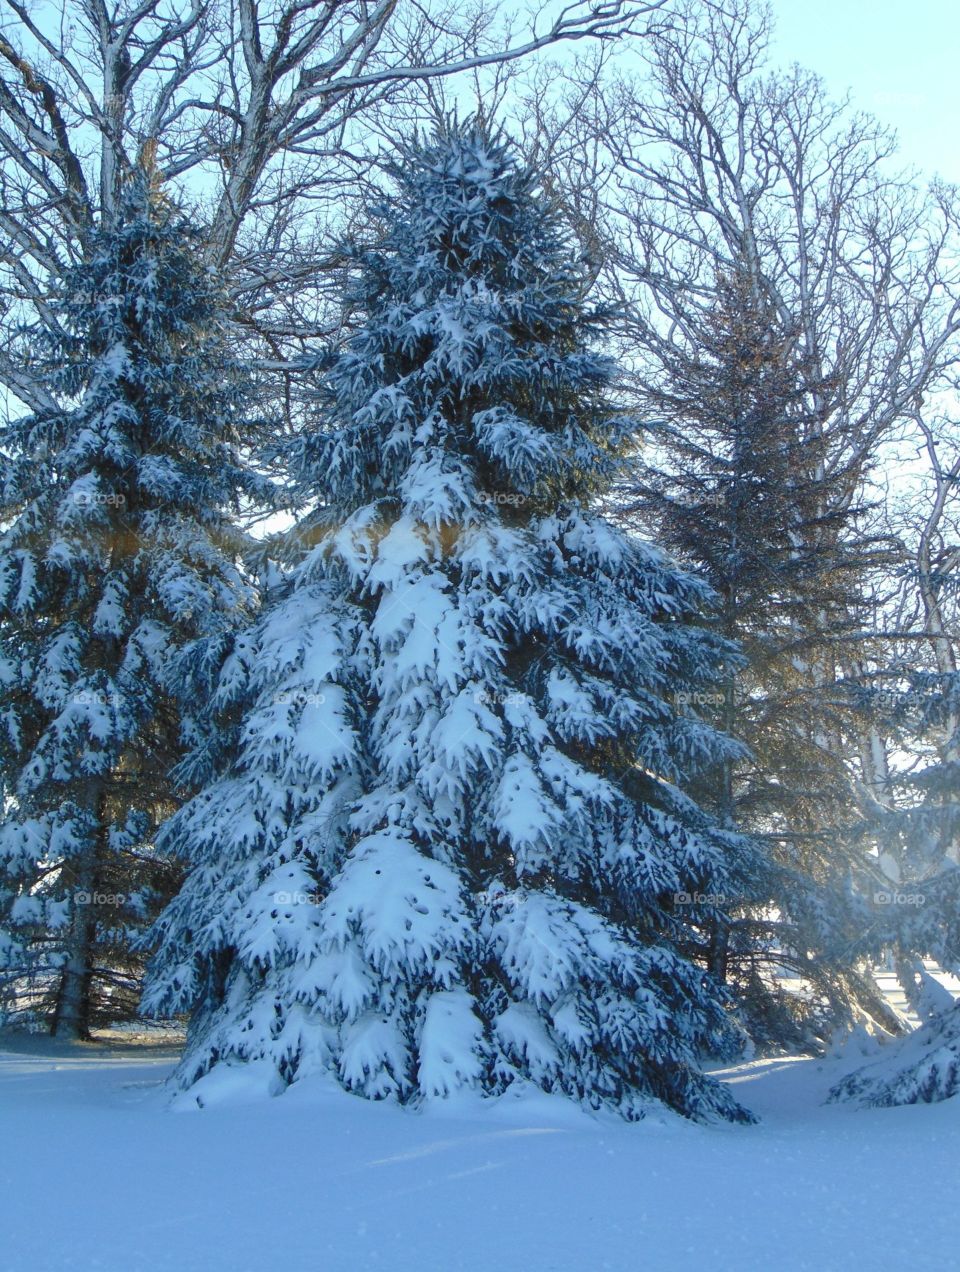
(922, 1069)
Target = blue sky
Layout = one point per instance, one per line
(899, 58)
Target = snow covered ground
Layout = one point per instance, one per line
(98, 1175)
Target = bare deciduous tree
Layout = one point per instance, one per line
(252, 104)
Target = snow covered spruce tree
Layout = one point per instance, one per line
(452, 850)
(118, 555)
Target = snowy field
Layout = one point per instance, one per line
(99, 1175)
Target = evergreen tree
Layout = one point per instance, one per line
(919, 910)
(741, 485)
(917, 827)
(119, 562)
(451, 849)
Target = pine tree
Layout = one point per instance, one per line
(917, 828)
(120, 563)
(919, 911)
(934, 822)
(740, 484)
(452, 850)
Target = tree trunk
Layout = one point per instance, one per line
(72, 1013)
(71, 1018)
